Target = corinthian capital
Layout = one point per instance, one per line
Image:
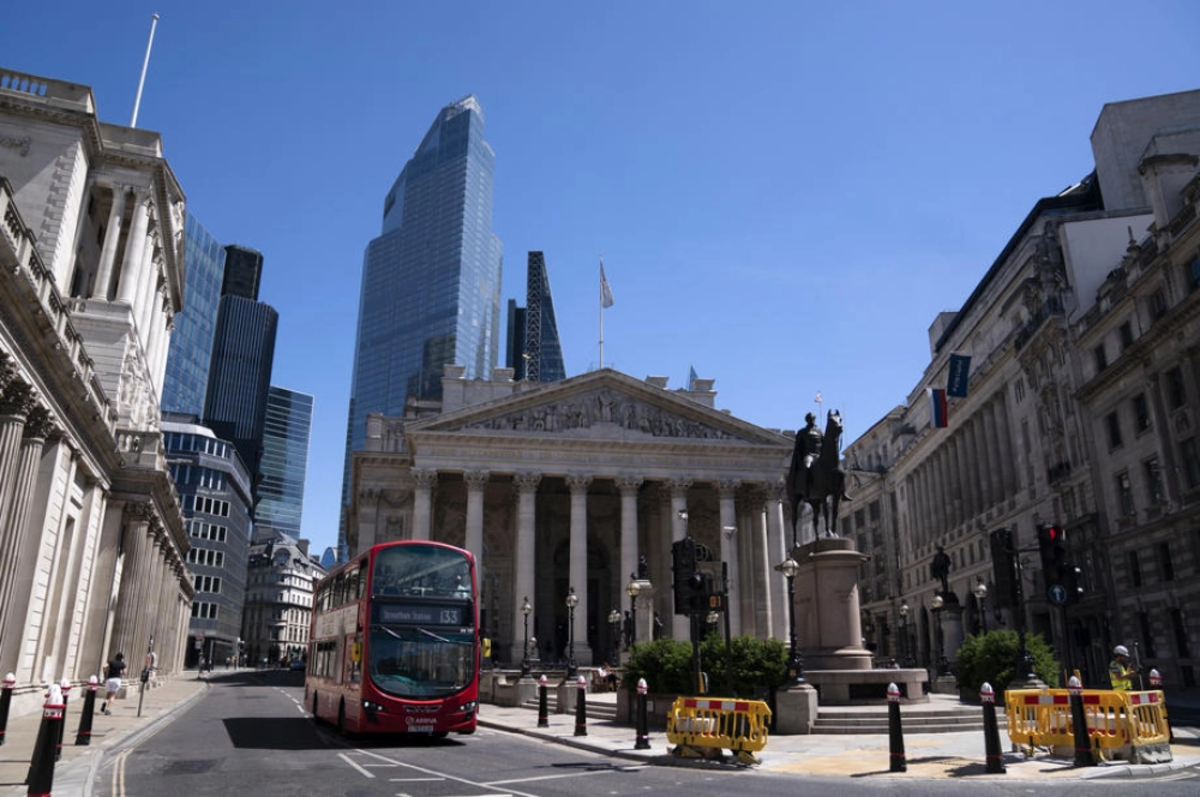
(476, 479)
(578, 482)
(38, 424)
(18, 399)
(527, 482)
(425, 478)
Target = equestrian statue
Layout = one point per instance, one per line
(815, 476)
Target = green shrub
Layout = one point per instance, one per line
(992, 658)
(666, 665)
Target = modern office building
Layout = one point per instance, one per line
(190, 352)
(214, 489)
(239, 378)
(533, 349)
(284, 464)
(430, 293)
(243, 272)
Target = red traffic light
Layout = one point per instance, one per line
(1054, 533)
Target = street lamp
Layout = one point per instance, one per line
(572, 602)
(632, 589)
(937, 604)
(614, 622)
(981, 591)
(790, 568)
(904, 632)
(525, 610)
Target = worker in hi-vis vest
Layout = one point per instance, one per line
(1120, 671)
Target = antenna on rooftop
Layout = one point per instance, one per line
(145, 63)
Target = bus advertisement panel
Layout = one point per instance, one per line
(395, 642)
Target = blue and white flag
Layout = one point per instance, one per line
(960, 373)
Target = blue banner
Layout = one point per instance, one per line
(960, 372)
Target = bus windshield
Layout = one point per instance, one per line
(422, 636)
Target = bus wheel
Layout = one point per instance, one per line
(341, 725)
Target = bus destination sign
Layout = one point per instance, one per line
(418, 614)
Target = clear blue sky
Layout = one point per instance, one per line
(785, 193)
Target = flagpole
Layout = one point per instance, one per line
(600, 287)
(137, 100)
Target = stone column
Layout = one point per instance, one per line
(578, 567)
(524, 563)
(112, 236)
(726, 490)
(681, 628)
(136, 529)
(425, 480)
(628, 487)
(18, 578)
(995, 492)
(780, 549)
(477, 481)
(135, 246)
(761, 566)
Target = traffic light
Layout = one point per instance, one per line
(1004, 569)
(1071, 577)
(1052, 545)
(683, 565)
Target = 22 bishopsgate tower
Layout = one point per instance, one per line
(430, 291)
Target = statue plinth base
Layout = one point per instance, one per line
(828, 625)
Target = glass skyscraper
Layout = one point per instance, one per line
(534, 350)
(192, 341)
(284, 464)
(430, 292)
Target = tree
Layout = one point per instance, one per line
(992, 658)
(758, 665)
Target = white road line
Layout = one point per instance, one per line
(413, 780)
(563, 775)
(300, 708)
(444, 776)
(346, 758)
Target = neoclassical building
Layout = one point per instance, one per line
(567, 486)
(92, 542)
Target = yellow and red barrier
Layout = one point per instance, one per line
(718, 723)
(1131, 725)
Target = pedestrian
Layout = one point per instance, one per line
(112, 683)
(1120, 670)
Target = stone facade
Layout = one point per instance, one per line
(567, 486)
(91, 534)
(1082, 399)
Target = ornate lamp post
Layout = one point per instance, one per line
(632, 589)
(790, 568)
(614, 622)
(981, 591)
(572, 602)
(937, 604)
(525, 610)
(904, 632)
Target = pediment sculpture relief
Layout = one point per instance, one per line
(601, 408)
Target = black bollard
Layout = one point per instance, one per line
(41, 765)
(543, 717)
(66, 692)
(1083, 741)
(581, 707)
(895, 732)
(10, 681)
(991, 732)
(83, 735)
(643, 729)
(1155, 683)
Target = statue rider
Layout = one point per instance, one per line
(939, 568)
(808, 448)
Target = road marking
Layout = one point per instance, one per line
(118, 774)
(564, 775)
(346, 758)
(413, 780)
(443, 775)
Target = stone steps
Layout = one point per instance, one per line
(595, 710)
(834, 721)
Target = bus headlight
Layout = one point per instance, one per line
(371, 706)
(467, 708)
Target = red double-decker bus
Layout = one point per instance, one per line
(394, 645)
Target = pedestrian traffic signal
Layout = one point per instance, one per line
(1052, 545)
(683, 567)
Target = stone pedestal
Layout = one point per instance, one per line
(828, 626)
(796, 710)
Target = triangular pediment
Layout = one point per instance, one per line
(601, 405)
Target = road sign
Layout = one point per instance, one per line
(1057, 594)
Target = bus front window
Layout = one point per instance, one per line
(418, 663)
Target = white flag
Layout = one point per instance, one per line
(606, 297)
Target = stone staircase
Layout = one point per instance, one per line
(914, 718)
(597, 707)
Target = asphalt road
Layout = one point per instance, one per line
(250, 735)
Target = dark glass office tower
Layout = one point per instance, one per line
(284, 464)
(430, 290)
(533, 349)
(239, 378)
(243, 272)
(191, 343)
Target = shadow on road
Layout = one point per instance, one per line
(273, 733)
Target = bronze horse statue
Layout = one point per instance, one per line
(824, 487)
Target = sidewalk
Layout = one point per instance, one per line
(75, 769)
(928, 755)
